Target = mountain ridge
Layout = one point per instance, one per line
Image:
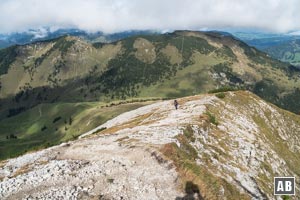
(211, 147)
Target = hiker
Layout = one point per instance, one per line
(176, 104)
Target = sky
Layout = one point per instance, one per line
(109, 16)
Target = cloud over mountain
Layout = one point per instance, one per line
(119, 15)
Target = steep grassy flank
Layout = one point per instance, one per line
(238, 136)
(184, 157)
(7, 57)
(49, 124)
(53, 63)
(278, 128)
(62, 44)
(288, 51)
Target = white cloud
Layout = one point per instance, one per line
(295, 33)
(119, 15)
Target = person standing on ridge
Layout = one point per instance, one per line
(176, 104)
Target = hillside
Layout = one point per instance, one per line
(50, 124)
(182, 63)
(217, 146)
(284, 47)
(287, 52)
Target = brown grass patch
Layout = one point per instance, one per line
(122, 139)
(173, 54)
(145, 50)
(208, 183)
(2, 163)
(23, 170)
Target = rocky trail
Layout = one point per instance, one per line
(122, 165)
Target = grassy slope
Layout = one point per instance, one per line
(287, 52)
(210, 185)
(50, 63)
(190, 80)
(28, 126)
(271, 125)
(7, 56)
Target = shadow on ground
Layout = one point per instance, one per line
(192, 192)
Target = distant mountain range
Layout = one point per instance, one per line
(41, 34)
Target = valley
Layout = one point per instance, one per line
(49, 124)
